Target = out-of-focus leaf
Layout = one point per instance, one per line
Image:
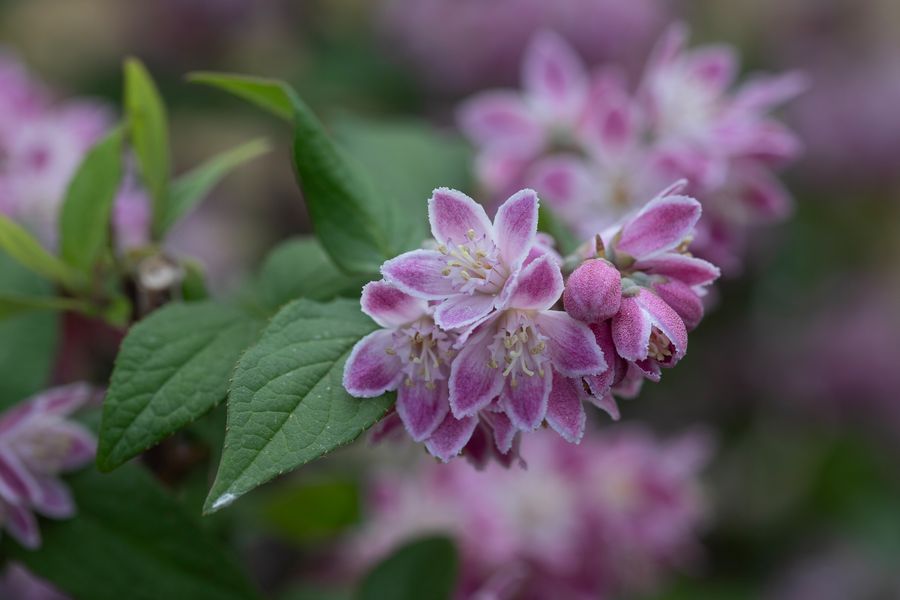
(130, 539)
(300, 268)
(15, 304)
(85, 216)
(425, 568)
(269, 94)
(327, 508)
(27, 251)
(173, 367)
(566, 242)
(27, 341)
(189, 189)
(287, 405)
(149, 136)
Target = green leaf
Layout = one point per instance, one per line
(130, 539)
(172, 368)
(189, 189)
(14, 304)
(566, 241)
(300, 268)
(287, 405)
(149, 135)
(269, 94)
(426, 568)
(27, 251)
(27, 341)
(85, 216)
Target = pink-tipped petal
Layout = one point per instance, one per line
(554, 75)
(453, 215)
(390, 307)
(419, 273)
(501, 120)
(463, 310)
(539, 285)
(515, 226)
(764, 92)
(451, 436)
(473, 381)
(686, 269)
(371, 370)
(422, 407)
(713, 66)
(55, 500)
(660, 226)
(525, 402)
(607, 403)
(631, 330)
(22, 526)
(669, 46)
(664, 318)
(594, 291)
(573, 349)
(683, 300)
(565, 411)
(563, 180)
(17, 483)
(504, 430)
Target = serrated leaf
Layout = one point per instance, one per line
(424, 568)
(85, 216)
(130, 539)
(173, 367)
(269, 94)
(300, 268)
(27, 251)
(149, 135)
(287, 405)
(189, 189)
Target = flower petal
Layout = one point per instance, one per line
(463, 310)
(515, 227)
(554, 75)
(631, 330)
(422, 409)
(451, 436)
(419, 273)
(664, 318)
(501, 120)
(606, 403)
(662, 224)
(504, 430)
(565, 411)
(601, 384)
(371, 371)
(686, 269)
(22, 526)
(17, 484)
(764, 92)
(573, 349)
(55, 500)
(81, 445)
(525, 402)
(473, 382)
(563, 180)
(683, 300)
(66, 399)
(715, 66)
(453, 215)
(593, 291)
(539, 285)
(390, 427)
(390, 307)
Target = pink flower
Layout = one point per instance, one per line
(606, 518)
(37, 443)
(19, 583)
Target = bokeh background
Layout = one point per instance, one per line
(795, 374)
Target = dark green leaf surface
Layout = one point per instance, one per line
(173, 367)
(287, 405)
(85, 216)
(424, 568)
(131, 540)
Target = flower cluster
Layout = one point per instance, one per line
(595, 149)
(42, 144)
(476, 347)
(37, 443)
(609, 517)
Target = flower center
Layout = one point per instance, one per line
(520, 347)
(474, 265)
(424, 351)
(661, 348)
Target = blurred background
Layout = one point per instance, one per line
(793, 379)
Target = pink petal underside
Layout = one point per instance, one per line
(501, 121)
(480, 448)
(525, 403)
(649, 368)
(554, 75)
(562, 180)
(573, 349)
(714, 66)
(390, 307)
(660, 226)
(422, 409)
(538, 286)
(600, 384)
(463, 310)
(473, 383)
(765, 196)
(593, 292)
(631, 330)
(764, 92)
(665, 319)
(371, 371)
(453, 215)
(419, 273)
(22, 525)
(390, 427)
(631, 384)
(565, 411)
(503, 429)
(17, 484)
(686, 269)
(515, 227)
(55, 499)
(450, 437)
(607, 403)
(683, 300)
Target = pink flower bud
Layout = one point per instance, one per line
(594, 291)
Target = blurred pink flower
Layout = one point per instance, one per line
(37, 443)
(610, 516)
(18, 583)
